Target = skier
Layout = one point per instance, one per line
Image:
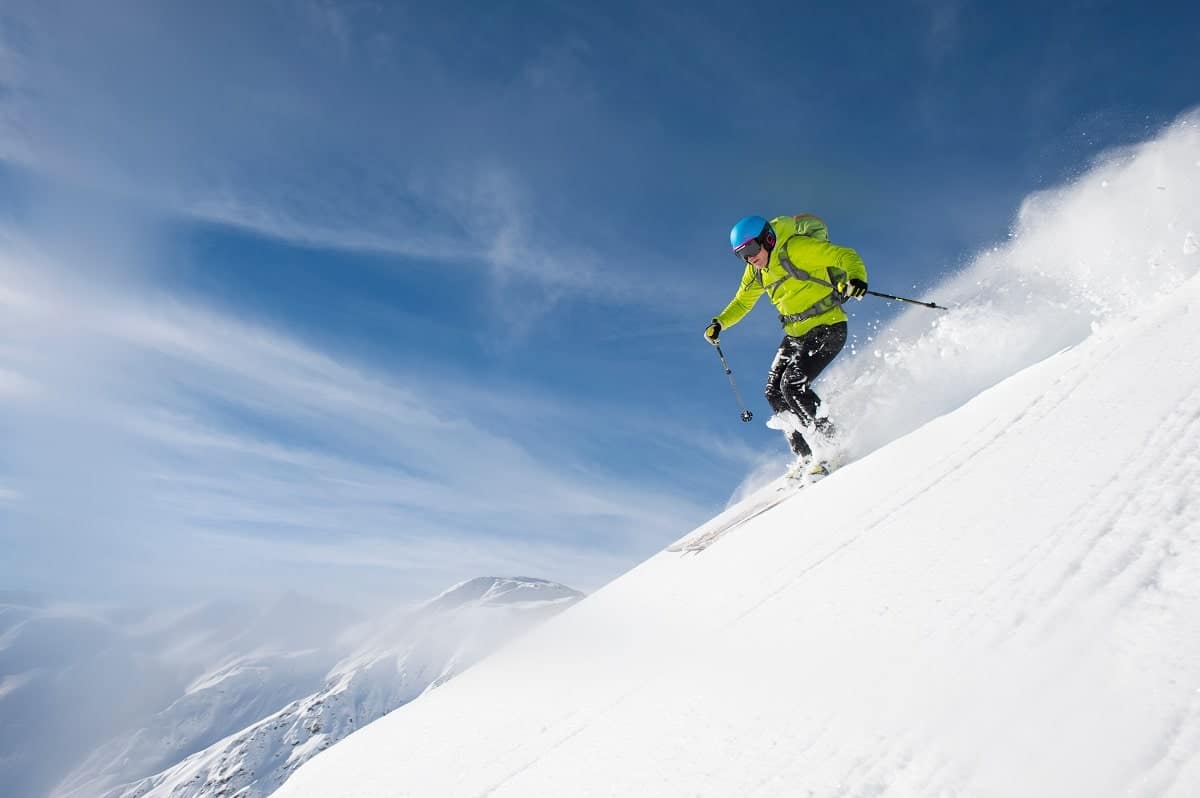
(808, 279)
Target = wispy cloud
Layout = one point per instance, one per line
(138, 422)
(330, 19)
(944, 32)
(309, 128)
(162, 440)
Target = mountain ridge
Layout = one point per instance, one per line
(405, 656)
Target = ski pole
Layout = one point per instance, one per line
(746, 414)
(876, 293)
(913, 301)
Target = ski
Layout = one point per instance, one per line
(789, 485)
(708, 535)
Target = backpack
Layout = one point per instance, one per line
(803, 224)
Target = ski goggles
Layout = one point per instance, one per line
(748, 249)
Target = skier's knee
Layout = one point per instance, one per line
(776, 399)
(793, 392)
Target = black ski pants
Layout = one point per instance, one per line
(796, 365)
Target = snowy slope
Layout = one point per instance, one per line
(1003, 602)
(405, 657)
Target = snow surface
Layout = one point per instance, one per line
(1004, 602)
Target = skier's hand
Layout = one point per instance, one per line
(712, 333)
(854, 289)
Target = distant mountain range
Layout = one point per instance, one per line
(225, 698)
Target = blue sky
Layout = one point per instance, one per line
(372, 297)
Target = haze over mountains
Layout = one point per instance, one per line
(123, 702)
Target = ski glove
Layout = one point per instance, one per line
(854, 289)
(712, 333)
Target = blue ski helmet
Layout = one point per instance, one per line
(750, 228)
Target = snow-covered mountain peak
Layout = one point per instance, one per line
(500, 591)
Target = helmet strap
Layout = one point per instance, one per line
(768, 239)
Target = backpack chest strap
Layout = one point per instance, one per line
(824, 305)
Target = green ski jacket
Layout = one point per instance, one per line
(798, 278)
